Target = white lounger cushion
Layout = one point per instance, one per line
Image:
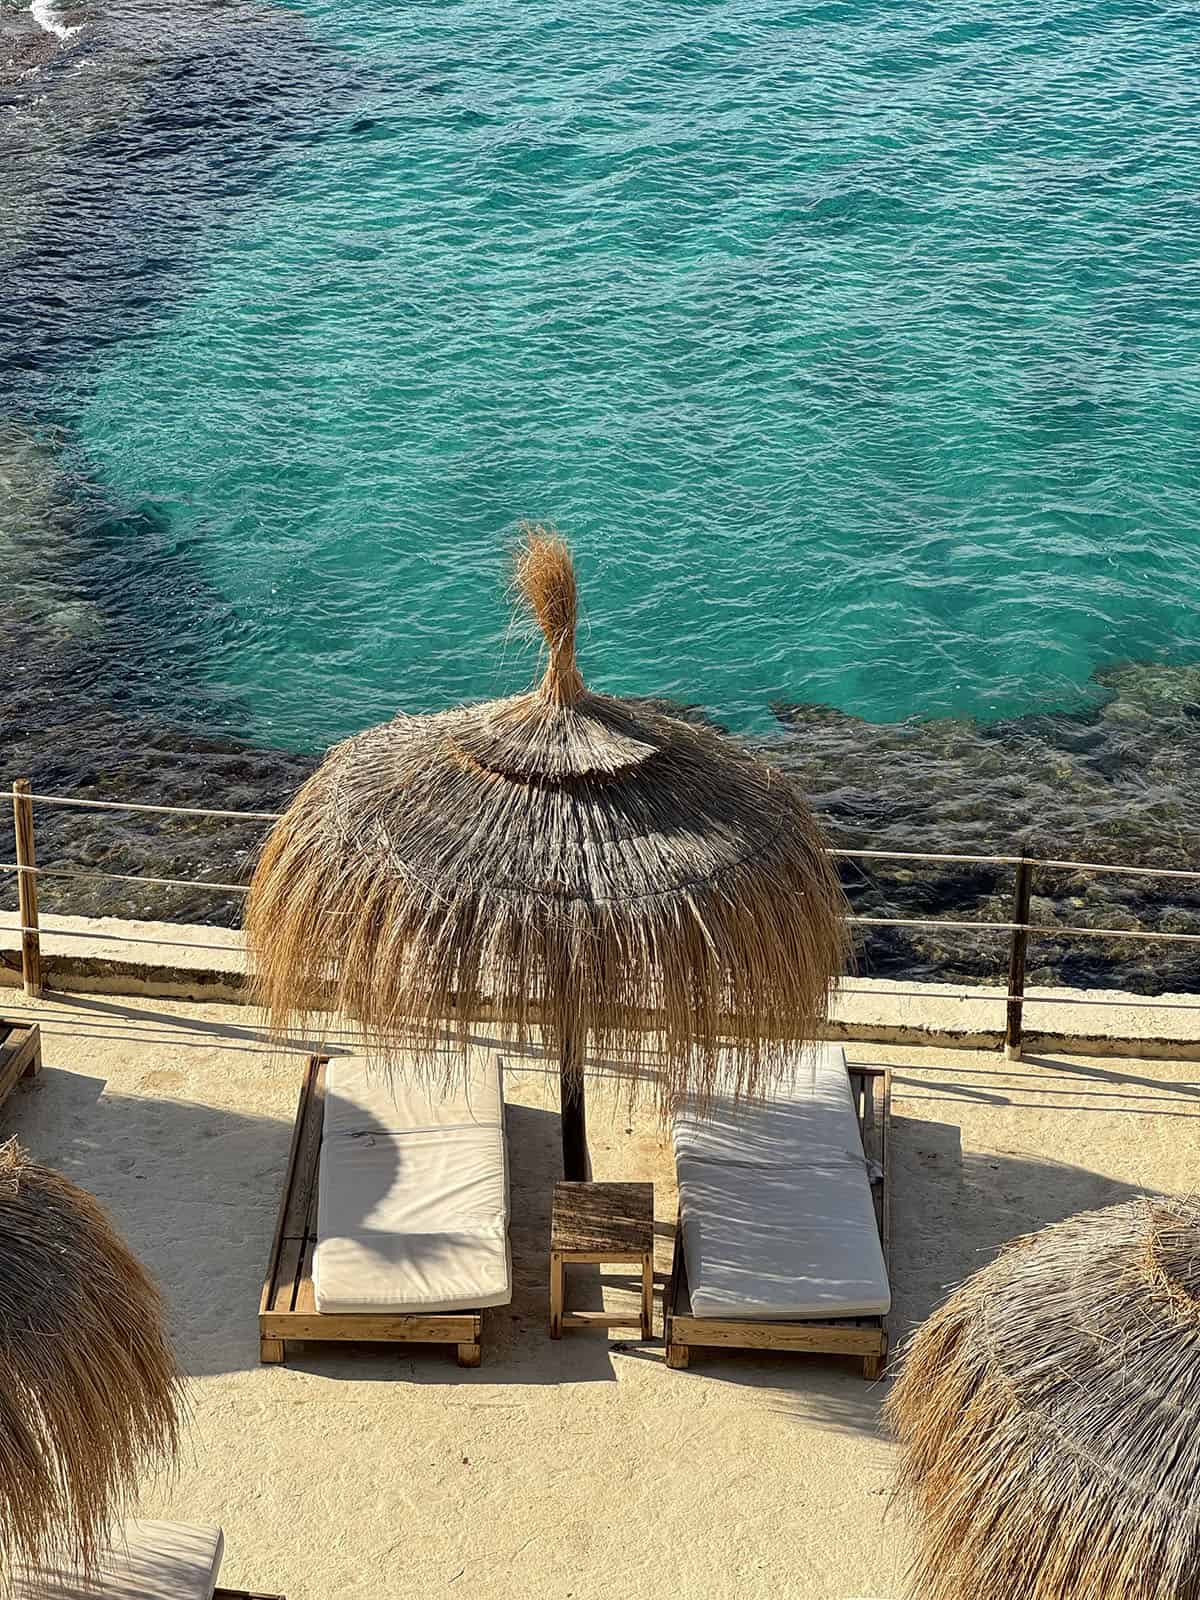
(775, 1203)
(412, 1200)
(359, 1097)
(149, 1561)
(811, 1119)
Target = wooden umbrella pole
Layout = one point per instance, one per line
(576, 1166)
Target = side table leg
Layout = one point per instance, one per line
(648, 1296)
(556, 1294)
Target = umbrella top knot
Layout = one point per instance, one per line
(544, 577)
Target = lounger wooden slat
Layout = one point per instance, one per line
(20, 1054)
(288, 1310)
(858, 1336)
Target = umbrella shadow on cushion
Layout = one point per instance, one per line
(516, 1345)
(516, 1348)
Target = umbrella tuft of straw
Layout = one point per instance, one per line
(544, 577)
(560, 860)
(89, 1389)
(1049, 1416)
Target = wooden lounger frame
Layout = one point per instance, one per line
(856, 1336)
(20, 1054)
(288, 1308)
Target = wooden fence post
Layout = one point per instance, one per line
(27, 896)
(1016, 959)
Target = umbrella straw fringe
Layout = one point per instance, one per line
(89, 1389)
(1047, 1415)
(659, 987)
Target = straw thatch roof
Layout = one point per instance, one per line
(1049, 1415)
(88, 1384)
(560, 857)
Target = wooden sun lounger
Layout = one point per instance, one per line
(288, 1308)
(858, 1336)
(20, 1054)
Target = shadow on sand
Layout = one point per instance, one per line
(195, 1190)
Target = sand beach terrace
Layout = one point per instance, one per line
(584, 1467)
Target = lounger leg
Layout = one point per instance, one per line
(648, 1297)
(677, 1356)
(470, 1355)
(556, 1294)
(242, 1594)
(873, 1365)
(270, 1352)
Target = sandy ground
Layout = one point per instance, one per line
(582, 1469)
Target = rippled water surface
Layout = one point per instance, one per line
(857, 344)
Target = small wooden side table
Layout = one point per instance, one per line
(606, 1224)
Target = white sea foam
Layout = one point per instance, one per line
(45, 14)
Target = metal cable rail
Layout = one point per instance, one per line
(124, 877)
(838, 852)
(870, 922)
(955, 923)
(1020, 928)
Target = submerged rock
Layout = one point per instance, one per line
(25, 48)
(1111, 784)
(37, 545)
(686, 711)
(809, 713)
(74, 717)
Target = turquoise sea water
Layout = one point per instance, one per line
(856, 346)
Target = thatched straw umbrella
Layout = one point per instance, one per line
(1049, 1417)
(562, 859)
(89, 1389)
